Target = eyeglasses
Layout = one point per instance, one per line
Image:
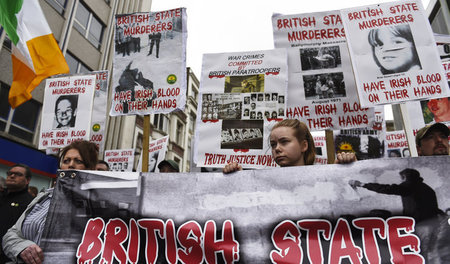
(10, 173)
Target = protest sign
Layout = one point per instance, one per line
(98, 123)
(320, 143)
(241, 96)
(66, 112)
(397, 144)
(157, 150)
(322, 90)
(393, 53)
(149, 73)
(438, 109)
(120, 159)
(366, 143)
(320, 214)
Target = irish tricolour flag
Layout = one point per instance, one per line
(35, 53)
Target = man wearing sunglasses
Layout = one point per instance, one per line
(14, 199)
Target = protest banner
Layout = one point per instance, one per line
(67, 109)
(314, 214)
(322, 89)
(397, 144)
(242, 94)
(120, 159)
(321, 147)
(98, 123)
(149, 73)
(393, 53)
(157, 150)
(366, 143)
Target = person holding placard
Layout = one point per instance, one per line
(292, 145)
(21, 242)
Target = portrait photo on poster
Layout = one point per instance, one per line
(394, 49)
(320, 58)
(244, 84)
(65, 111)
(153, 161)
(238, 134)
(436, 110)
(325, 85)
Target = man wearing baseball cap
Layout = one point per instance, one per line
(432, 140)
(168, 166)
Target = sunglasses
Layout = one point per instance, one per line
(10, 173)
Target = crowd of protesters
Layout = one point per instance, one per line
(23, 216)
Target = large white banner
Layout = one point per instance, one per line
(67, 110)
(322, 90)
(150, 63)
(393, 53)
(241, 95)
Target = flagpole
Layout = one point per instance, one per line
(145, 143)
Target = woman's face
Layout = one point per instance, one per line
(394, 52)
(72, 161)
(286, 150)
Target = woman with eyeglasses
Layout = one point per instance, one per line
(21, 242)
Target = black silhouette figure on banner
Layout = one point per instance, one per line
(418, 199)
(128, 81)
(154, 38)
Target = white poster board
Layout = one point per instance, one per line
(241, 95)
(67, 110)
(149, 63)
(157, 150)
(393, 53)
(322, 89)
(120, 159)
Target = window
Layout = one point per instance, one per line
(20, 122)
(59, 5)
(75, 65)
(7, 41)
(180, 133)
(194, 92)
(88, 25)
(192, 118)
(161, 122)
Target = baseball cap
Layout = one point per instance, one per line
(424, 130)
(170, 163)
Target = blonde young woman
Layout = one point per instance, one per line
(292, 145)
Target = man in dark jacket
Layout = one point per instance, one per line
(419, 200)
(14, 199)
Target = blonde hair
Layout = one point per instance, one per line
(301, 132)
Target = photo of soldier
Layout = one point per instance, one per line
(154, 40)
